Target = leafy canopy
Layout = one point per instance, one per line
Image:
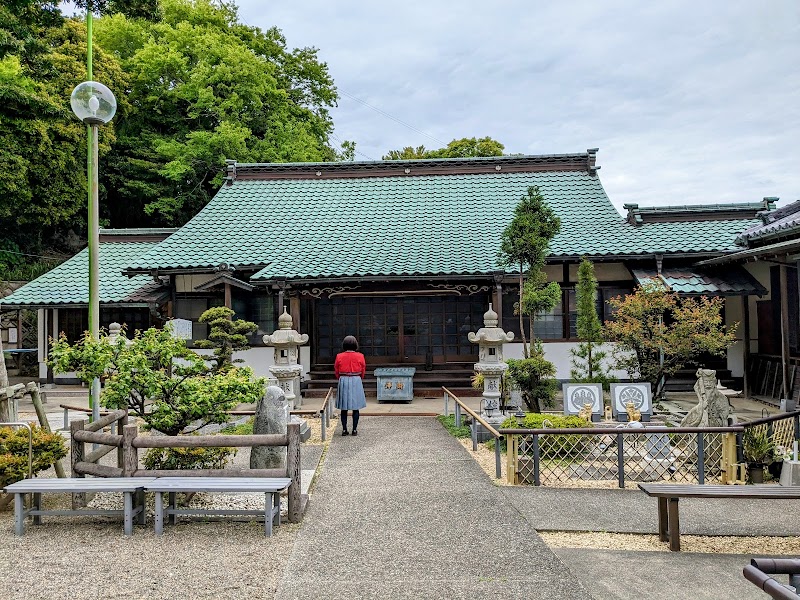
(463, 148)
(159, 379)
(658, 333)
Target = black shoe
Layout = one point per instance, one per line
(355, 432)
(345, 432)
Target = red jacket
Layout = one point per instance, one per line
(350, 362)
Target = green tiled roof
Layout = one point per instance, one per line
(68, 283)
(726, 281)
(305, 227)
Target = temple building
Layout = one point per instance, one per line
(404, 255)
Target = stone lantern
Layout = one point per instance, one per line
(490, 339)
(286, 369)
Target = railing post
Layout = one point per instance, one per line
(474, 433)
(797, 428)
(295, 501)
(123, 421)
(458, 415)
(511, 458)
(620, 461)
(536, 461)
(446, 405)
(323, 416)
(498, 471)
(739, 448)
(66, 419)
(76, 455)
(130, 454)
(701, 459)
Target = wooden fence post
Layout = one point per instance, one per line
(33, 389)
(121, 423)
(76, 456)
(130, 454)
(295, 508)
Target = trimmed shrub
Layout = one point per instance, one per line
(47, 449)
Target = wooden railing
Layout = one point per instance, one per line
(128, 442)
(476, 420)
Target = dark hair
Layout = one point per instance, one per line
(350, 343)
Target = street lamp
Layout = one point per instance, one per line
(94, 104)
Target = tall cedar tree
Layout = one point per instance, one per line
(587, 358)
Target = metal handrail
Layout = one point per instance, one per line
(772, 419)
(476, 418)
(760, 569)
(30, 442)
(620, 430)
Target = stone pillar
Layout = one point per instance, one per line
(272, 415)
(490, 339)
(286, 369)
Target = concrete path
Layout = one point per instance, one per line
(401, 511)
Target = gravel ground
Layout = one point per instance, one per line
(754, 545)
(80, 557)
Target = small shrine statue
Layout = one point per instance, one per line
(713, 407)
(586, 411)
(634, 414)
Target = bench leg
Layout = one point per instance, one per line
(37, 505)
(19, 514)
(276, 503)
(662, 520)
(172, 517)
(674, 525)
(268, 514)
(128, 512)
(140, 506)
(159, 513)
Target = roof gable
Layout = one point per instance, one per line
(68, 283)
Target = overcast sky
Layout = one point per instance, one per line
(689, 101)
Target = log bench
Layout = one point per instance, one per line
(269, 486)
(130, 487)
(669, 494)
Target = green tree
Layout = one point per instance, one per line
(203, 88)
(524, 245)
(42, 144)
(159, 379)
(463, 148)
(657, 333)
(226, 336)
(587, 358)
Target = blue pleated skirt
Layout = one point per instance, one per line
(350, 393)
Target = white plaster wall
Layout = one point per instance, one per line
(734, 313)
(261, 358)
(559, 354)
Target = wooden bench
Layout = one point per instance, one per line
(269, 486)
(128, 486)
(669, 494)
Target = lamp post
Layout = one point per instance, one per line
(94, 104)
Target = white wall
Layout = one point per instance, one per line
(559, 354)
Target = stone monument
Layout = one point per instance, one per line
(286, 369)
(272, 416)
(713, 407)
(490, 339)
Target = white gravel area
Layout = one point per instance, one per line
(755, 545)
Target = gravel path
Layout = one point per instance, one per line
(89, 557)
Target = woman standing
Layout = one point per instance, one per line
(350, 368)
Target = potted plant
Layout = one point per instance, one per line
(759, 450)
